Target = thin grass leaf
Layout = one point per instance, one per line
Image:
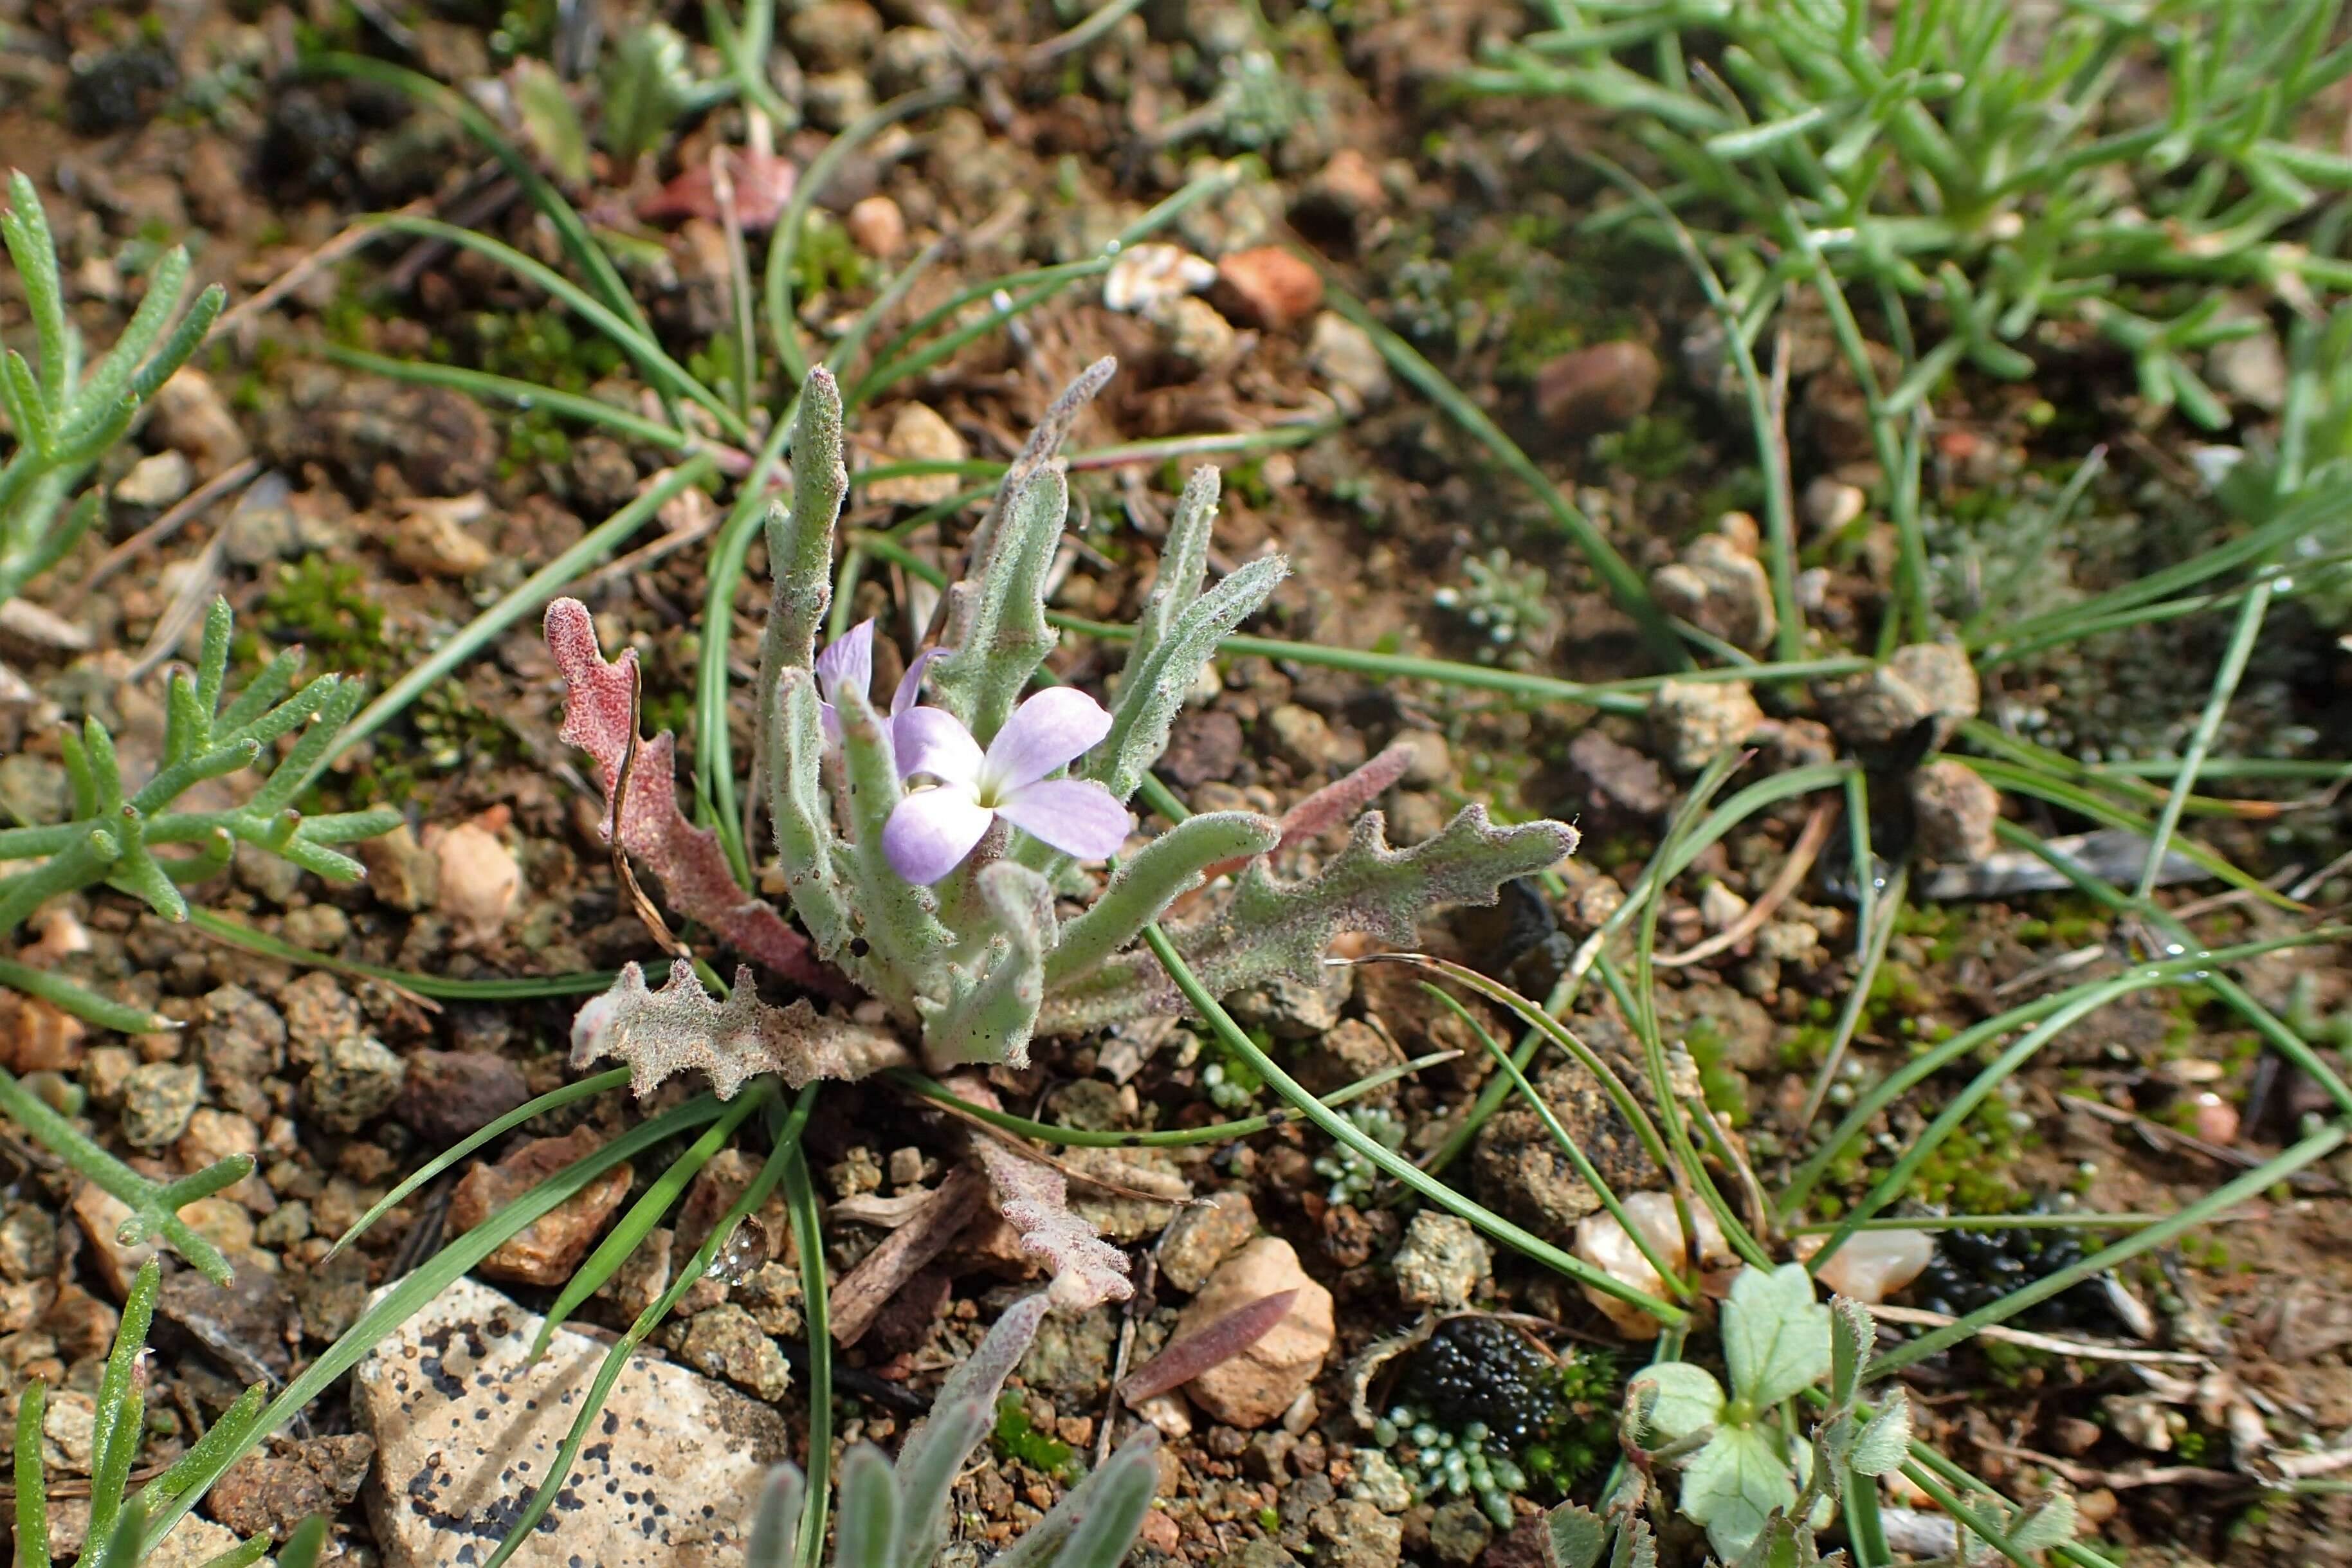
(1345, 1132)
(1617, 575)
(527, 598)
(394, 1306)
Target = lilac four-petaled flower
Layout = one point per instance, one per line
(959, 791)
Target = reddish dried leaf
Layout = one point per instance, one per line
(598, 710)
(1334, 804)
(1035, 1199)
(1187, 1358)
(763, 183)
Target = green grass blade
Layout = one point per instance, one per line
(553, 1099)
(437, 987)
(631, 1230)
(530, 594)
(616, 1359)
(1345, 1132)
(396, 1305)
(2252, 1185)
(506, 389)
(1617, 575)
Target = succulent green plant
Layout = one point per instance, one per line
(65, 415)
(2003, 164)
(928, 849)
(895, 1516)
(112, 839)
(116, 1535)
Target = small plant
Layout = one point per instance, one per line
(895, 1516)
(117, 1536)
(113, 839)
(927, 847)
(65, 415)
(1353, 1177)
(1507, 604)
(1482, 1411)
(2005, 169)
(1741, 1461)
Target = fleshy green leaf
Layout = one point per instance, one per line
(1688, 1398)
(1733, 1485)
(550, 121)
(1776, 1336)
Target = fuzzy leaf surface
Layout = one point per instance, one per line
(682, 1028)
(1272, 928)
(1733, 1485)
(1034, 1200)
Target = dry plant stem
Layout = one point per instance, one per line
(862, 1293)
(181, 512)
(1802, 856)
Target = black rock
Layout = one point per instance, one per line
(120, 90)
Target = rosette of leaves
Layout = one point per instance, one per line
(1762, 1494)
(65, 415)
(1010, 940)
(895, 1516)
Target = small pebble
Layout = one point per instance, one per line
(1273, 288)
(877, 227)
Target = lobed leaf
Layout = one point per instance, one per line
(680, 1028)
(1271, 928)
(1688, 1399)
(1735, 1484)
(1776, 1335)
(599, 717)
(1035, 1199)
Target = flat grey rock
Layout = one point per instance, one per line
(466, 1428)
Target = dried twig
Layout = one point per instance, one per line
(1802, 856)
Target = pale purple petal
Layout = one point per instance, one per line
(847, 661)
(930, 740)
(1077, 816)
(932, 830)
(1053, 727)
(910, 685)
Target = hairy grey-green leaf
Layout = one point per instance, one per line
(1044, 445)
(1884, 1441)
(797, 804)
(867, 1533)
(927, 1475)
(1272, 928)
(997, 635)
(800, 536)
(1167, 866)
(934, 1449)
(1154, 689)
(776, 1526)
(1852, 1335)
(645, 87)
(1183, 564)
(990, 1010)
(1573, 1537)
(898, 919)
(1135, 1468)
